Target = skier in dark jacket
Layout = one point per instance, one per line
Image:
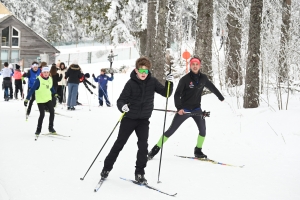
(137, 100)
(73, 74)
(187, 98)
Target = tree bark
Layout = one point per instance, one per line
(142, 42)
(151, 29)
(156, 37)
(284, 40)
(203, 46)
(233, 43)
(251, 94)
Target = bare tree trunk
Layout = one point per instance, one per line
(157, 47)
(151, 30)
(203, 47)
(142, 42)
(233, 43)
(251, 94)
(286, 17)
(172, 22)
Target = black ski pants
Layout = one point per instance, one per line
(11, 91)
(141, 128)
(42, 107)
(179, 119)
(31, 101)
(18, 87)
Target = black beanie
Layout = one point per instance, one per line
(17, 66)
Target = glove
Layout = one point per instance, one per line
(25, 102)
(125, 108)
(87, 75)
(112, 74)
(57, 96)
(93, 75)
(170, 78)
(24, 82)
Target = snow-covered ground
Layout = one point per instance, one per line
(264, 140)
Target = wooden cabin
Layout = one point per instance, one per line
(20, 44)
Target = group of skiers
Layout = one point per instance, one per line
(47, 84)
(7, 73)
(136, 102)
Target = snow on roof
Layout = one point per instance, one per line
(5, 16)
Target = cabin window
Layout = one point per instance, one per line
(15, 40)
(4, 55)
(15, 55)
(5, 37)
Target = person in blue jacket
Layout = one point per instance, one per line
(102, 80)
(32, 75)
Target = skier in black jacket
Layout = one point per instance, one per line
(137, 100)
(187, 98)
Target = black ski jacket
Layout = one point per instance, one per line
(74, 74)
(189, 90)
(140, 95)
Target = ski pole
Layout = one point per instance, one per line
(163, 135)
(112, 93)
(103, 145)
(203, 114)
(88, 100)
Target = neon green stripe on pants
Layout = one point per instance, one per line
(159, 144)
(200, 141)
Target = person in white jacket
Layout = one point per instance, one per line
(61, 89)
(6, 74)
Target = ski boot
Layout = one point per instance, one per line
(52, 131)
(198, 153)
(104, 174)
(38, 131)
(141, 179)
(153, 152)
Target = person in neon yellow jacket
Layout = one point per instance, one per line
(43, 89)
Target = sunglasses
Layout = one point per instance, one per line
(141, 71)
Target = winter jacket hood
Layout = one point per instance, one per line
(75, 67)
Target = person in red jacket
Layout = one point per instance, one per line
(18, 82)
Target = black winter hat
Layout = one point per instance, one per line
(17, 66)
